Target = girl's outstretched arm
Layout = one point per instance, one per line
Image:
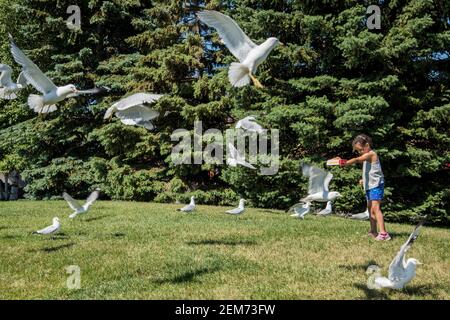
(360, 159)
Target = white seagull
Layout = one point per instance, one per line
(328, 210)
(77, 207)
(249, 54)
(133, 111)
(300, 209)
(190, 207)
(9, 88)
(240, 209)
(51, 94)
(318, 185)
(249, 124)
(54, 228)
(361, 216)
(401, 272)
(235, 158)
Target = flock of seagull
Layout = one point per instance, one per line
(134, 110)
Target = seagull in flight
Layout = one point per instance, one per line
(190, 207)
(77, 207)
(234, 158)
(239, 210)
(9, 88)
(51, 94)
(319, 181)
(249, 54)
(249, 124)
(52, 229)
(133, 110)
(300, 209)
(401, 271)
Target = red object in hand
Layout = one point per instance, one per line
(342, 162)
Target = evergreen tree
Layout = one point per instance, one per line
(333, 79)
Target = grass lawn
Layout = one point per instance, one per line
(128, 250)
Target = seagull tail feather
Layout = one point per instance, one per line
(239, 75)
(36, 103)
(4, 94)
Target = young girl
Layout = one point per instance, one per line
(373, 182)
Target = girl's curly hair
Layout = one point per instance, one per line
(362, 139)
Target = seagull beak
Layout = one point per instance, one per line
(418, 262)
(281, 44)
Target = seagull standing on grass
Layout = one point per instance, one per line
(9, 88)
(190, 207)
(361, 216)
(133, 110)
(239, 210)
(77, 207)
(249, 54)
(319, 181)
(249, 124)
(401, 272)
(235, 158)
(300, 209)
(327, 211)
(51, 94)
(54, 228)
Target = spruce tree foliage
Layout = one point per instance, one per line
(333, 79)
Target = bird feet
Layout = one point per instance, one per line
(256, 82)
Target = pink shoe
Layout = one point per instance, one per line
(383, 237)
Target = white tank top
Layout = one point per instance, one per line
(372, 174)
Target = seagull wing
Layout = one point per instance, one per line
(396, 268)
(249, 125)
(22, 80)
(48, 229)
(239, 158)
(233, 152)
(295, 207)
(91, 199)
(229, 31)
(138, 113)
(32, 73)
(327, 180)
(137, 99)
(5, 76)
(188, 208)
(147, 125)
(317, 178)
(234, 211)
(74, 204)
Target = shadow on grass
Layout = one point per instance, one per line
(399, 234)
(9, 237)
(372, 293)
(50, 249)
(57, 248)
(3, 227)
(270, 211)
(226, 242)
(358, 267)
(119, 235)
(421, 291)
(424, 290)
(188, 276)
(95, 218)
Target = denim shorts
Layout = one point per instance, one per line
(376, 193)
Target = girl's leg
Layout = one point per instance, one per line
(373, 220)
(376, 211)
